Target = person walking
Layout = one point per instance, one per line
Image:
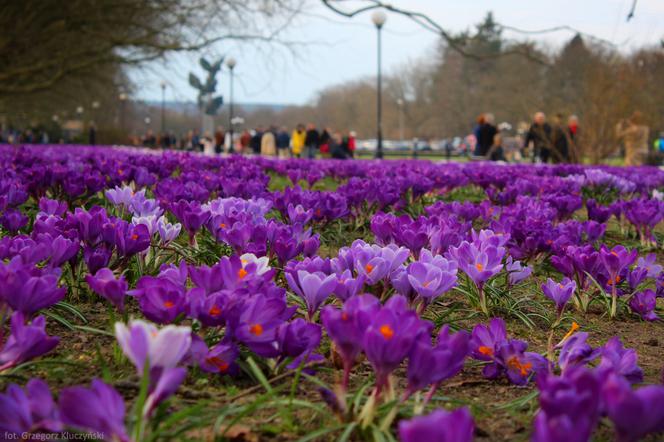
(496, 151)
(338, 148)
(540, 135)
(245, 141)
(297, 140)
(219, 140)
(283, 143)
(352, 143)
(634, 134)
(324, 142)
(572, 132)
(312, 141)
(487, 130)
(256, 141)
(559, 141)
(268, 143)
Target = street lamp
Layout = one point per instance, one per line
(123, 100)
(400, 105)
(230, 63)
(379, 18)
(163, 107)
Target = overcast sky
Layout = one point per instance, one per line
(341, 49)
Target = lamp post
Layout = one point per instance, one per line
(400, 105)
(163, 107)
(123, 100)
(230, 63)
(379, 17)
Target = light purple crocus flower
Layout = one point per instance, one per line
(432, 280)
(143, 343)
(314, 288)
(559, 292)
(517, 271)
(167, 231)
(120, 195)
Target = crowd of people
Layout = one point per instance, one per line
(301, 142)
(543, 142)
(558, 141)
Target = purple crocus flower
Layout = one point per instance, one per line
(96, 257)
(218, 359)
(519, 365)
(97, 409)
(634, 413)
(298, 336)
(143, 343)
(429, 364)
(616, 260)
(479, 264)
(619, 360)
(439, 426)
(569, 406)
(347, 286)
(259, 322)
(191, 215)
(105, 284)
(559, 292)
(62, 249)
(28, 410)
(347, 325)
(13, 220)
(390, 337)
(167, 382)
(52, 207)
(487, 340)
(432, 279)
(575, 351)
(644, 304)
(162, 299)
(26, 341)
(314, 288)
(131, 239)
(298, 214)
(28, 289)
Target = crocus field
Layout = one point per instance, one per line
(172, 296)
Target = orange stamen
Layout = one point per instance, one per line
(256, 329)
(486, 351)
(386, 331)
(368, 268)
(215, 311)
(219, 363)
(479, 266)
(241, 273)
(169, 304)
(516, 364)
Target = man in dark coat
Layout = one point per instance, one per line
(312, 141)
(540, 135)
(485, 135)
